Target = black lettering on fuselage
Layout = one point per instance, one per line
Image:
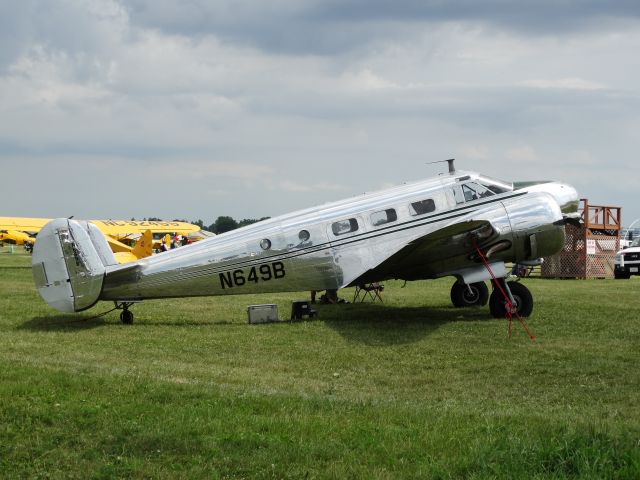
(226, 279)
(262, 273)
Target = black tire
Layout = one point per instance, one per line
(126, 317)
(522, 296)
(462, 297)
(621, 275)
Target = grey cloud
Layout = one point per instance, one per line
(82, 31)
(15, 30)
(107, 86)
(330, 27)
(540, 15)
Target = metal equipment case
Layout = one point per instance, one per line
(262, 313)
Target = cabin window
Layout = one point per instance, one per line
(344, 226)
(385, 216)
(304, 235)
(423, 206)
(265, 244)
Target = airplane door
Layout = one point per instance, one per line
(309, 256)
(352, 255)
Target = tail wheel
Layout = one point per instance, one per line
(472, 295)
(126, 317)
(521, 295)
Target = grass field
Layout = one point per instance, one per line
(410, 389)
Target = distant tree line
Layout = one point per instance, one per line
(221, 225)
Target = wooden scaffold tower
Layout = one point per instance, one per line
(589, 249)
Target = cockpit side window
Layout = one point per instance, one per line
(457, 195)
(422, 207)
(474, 191)
(344, 226)
(469, 193)
(385, 216)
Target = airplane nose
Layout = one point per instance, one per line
(567, 198)
(564, 194)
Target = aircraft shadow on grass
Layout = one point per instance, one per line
(385, 325)
(365, 323)
(71, 323)
(62, 323)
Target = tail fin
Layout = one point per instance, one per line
(144, 245)
(69, 263)
(125, 254)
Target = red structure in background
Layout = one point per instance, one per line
(589, 250)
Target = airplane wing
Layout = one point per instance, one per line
(433, 254)
(124, 228)
(114, 228)
(22, 224)
(117, 246)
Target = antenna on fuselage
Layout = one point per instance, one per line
(452, 168)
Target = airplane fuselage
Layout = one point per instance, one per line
(416, 231)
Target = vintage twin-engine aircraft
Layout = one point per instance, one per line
(461, 224)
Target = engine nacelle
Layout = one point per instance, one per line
(537, 226)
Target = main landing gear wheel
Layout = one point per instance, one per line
(521, 295)
(471, 295)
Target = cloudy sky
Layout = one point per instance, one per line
(194, 109)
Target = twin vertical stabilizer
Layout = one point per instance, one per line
(69, 263)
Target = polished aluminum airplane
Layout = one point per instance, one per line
(460, 224)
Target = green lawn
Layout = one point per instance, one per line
(410, 389)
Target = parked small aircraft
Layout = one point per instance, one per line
(17, 237)
(125, 254)
(20, 230)
(120, 234)
(460, 224)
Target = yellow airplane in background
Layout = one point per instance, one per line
(119, 233)
(15, 236)
(124, 253)
(20, 230)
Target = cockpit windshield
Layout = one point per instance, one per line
(496, 186)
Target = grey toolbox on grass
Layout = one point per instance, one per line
(263, 313)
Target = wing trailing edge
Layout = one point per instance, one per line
(445, 250)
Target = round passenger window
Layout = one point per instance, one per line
(265, 244)
(304, 235)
